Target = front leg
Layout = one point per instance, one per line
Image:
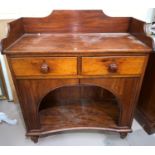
(34, 139)
(123, 135)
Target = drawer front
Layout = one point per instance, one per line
(127, 65)
(30, 66)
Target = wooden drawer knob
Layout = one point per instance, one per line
(113, 68)
(44, 68)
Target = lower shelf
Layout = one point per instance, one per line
(80, 114)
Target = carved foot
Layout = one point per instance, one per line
(34, 139)
(123, 135)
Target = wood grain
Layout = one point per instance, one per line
(15, 31)
(32, 67)
(77, 43)
(100, 65)
(62, 21)
(78, 114)
(137, 29)
(123, 90)
(52, 59)
(36, 91)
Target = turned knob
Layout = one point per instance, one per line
(44, 68)
(113, 68)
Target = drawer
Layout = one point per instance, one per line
(32, 66)
(115, 65)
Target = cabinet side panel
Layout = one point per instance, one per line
(146, 104)
(15, 31)
(137, 28)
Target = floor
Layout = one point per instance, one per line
(15, 135)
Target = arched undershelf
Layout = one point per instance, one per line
(79, 107)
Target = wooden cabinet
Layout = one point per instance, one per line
(71, 76)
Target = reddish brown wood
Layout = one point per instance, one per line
(113, 65)
(121, 88)
(145, 112)
(31, 66)
(73, 116)
(77, 106)
(15, 31)
(58, 90)
(137, 28)
(77, 43)
(37, 90)
(87, 21)
(80, 21)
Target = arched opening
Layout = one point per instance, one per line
(79, 106)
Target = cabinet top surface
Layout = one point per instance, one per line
(77, 42)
